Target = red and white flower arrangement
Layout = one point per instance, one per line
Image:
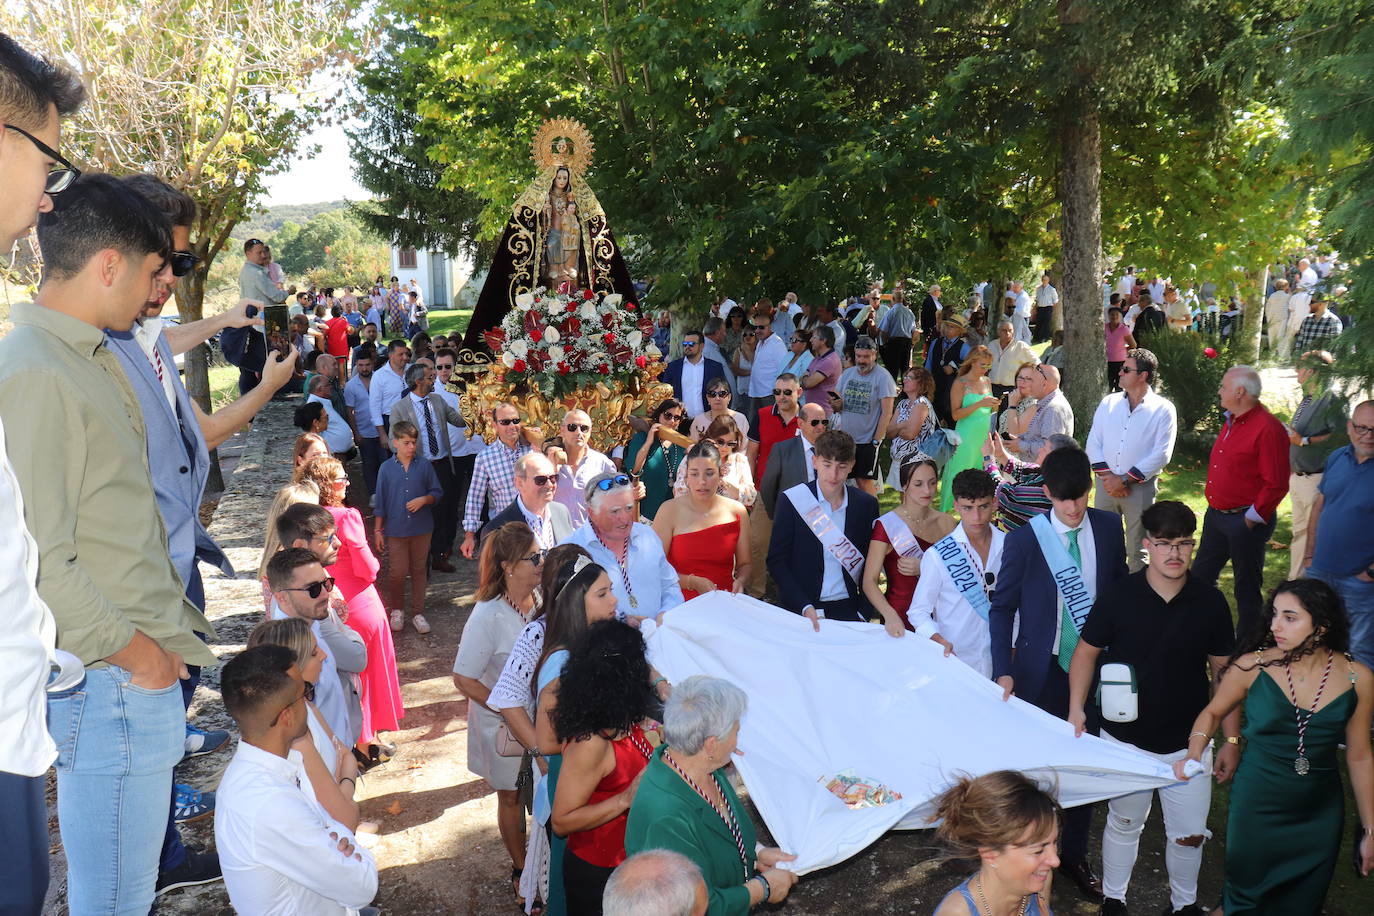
(563, 342)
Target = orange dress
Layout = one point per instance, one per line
(709, 553)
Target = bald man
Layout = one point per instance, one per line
(1053, 414)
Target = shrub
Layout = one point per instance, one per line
(1190, 378)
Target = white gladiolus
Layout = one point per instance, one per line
(524, 301)
(551, 335)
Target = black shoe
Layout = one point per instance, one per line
(442, 565)
(1191, 909)
(1082, 874)
(199, 868)
(1113, 907)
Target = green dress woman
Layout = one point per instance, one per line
(972, 405)
(1304, 696)
(655, 460)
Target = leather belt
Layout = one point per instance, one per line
(1307, 473)
(1239, 511)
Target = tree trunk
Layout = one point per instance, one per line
(1252, 297)
(191, 307)
(1080, 194)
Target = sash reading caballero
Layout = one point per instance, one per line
(899, 535)
(963, 574)
(831, 537)
(1077, 593)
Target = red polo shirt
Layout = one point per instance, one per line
(769, 431)
(1249, 463)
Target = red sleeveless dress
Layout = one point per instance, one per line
(900, 589)
(709, 553)
(605, 845)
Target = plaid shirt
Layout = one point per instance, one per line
(1316, 330)
(493, 481)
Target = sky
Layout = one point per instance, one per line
(328, 176)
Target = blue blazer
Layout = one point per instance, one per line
(1025, 586)
(711, 368)
(795, 560)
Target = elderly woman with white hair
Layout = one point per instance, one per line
(685, 804)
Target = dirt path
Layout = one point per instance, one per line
(437, 844)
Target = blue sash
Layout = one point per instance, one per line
(1077, 594)
(963, 574)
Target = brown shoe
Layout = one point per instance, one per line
(442, 564)
(1082, 875)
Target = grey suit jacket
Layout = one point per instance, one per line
(560, 520)
(785, 469)
(404, 409)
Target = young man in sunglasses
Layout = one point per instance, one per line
(34, 97)
(689, 374)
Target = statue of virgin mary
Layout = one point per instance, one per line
(557, 237)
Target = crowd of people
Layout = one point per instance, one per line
(740, 482)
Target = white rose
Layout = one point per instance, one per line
(508, 359)
(588, 310)
(634, 339)
(556, 353)
(524, 301)
(519, 348)
(613, 300)
(551, 335)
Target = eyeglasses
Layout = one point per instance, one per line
(543, 480)
(307, 694)
(762, 328)
(1359, 430)
(578, 427)
(314, 588)
(1126, 370)
(784, 392)
(613, 483)
(535, 559)
(509, 421)
(1178, 547)
(183, 262)
(59, 179)
(444, 366)
(823, 421)
(672, 417)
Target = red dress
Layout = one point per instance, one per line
(336, 337)
(355, 573)
(604, 846)
(900, 589)
(709, 553)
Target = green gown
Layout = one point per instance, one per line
(973, 432)
(1283, 832)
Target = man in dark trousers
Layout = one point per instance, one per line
(930, 315)
(943, 359)
(1052, 571)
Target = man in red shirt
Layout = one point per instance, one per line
(336, 339)
(1247, 478)
(775, 424)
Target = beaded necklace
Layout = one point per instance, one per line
(1301, 765)
(727, 814)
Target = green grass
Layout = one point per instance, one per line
(448, 321)
(224, 385)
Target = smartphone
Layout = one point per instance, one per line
(276, 320)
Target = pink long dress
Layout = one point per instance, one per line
(355, 575)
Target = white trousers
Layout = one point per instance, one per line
(1022, 328)
(1302, 493)
(1186, 806)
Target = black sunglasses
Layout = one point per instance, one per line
(314, 588)
(309, 692)
(823, 421)
(788, 392)
(510, 421)
(535, 558)
(762, 328)
(183, 262)
(577, 427)
(613, 483)
(59, 179)
(543, 480)
(719, 393)
(688, 343)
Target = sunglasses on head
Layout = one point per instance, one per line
(183, 262)
(613, 483)
(314, 588)
(509, 421)
(578, 427)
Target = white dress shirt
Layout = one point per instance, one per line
(833, 586)
(1087, 550)
(1126, 285)
(339, 435)
(1005, 361)
(539, 524)
(1046, 296)
(146, 332)
(27, 640)
(939, 608)
(359, 398)
(769, 357)
(329, 695)
(1307, 280)
(651, 577)
(572, 483)
(1133, 443)
(1023, 305)
(692, 380)
(275, 845)
(388, 387)
(1156, 292)
(711, 350)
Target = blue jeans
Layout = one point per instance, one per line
(373, 456)
(116, 747)
(1358, 598)
(24, 838)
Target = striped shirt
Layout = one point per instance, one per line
(1020, 492)
(493, 481)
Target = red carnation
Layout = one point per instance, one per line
(609, 338)
(629, 304)
(641, 361)
(537, 335)
(587, 294)
(604, 369)
(564, 368)
(519, 365)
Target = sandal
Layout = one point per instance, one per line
(515, 874)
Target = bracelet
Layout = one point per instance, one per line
(767, 888)
(1193, 735)
(349, 779)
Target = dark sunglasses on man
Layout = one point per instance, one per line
(60, 178)
(183, 262)
(314, 588)
(823, 421)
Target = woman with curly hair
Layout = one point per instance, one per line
(603, 697)
(355, 574)
(1304, 696)
(1011, 826)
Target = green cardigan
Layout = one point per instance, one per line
(667, 814)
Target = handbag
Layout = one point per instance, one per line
(507, 745)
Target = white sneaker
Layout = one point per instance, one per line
(398, 620)
(421, 624)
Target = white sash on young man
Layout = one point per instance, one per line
(1077, 593)
(962, 572)
(899, 535)
(830, 536)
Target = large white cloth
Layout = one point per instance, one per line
(894, 710)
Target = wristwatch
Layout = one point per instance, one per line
(1233, 739)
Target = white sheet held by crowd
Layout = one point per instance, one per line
(895, 711)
